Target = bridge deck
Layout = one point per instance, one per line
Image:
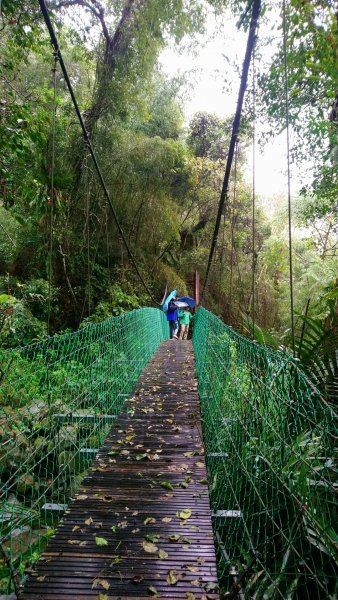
(145, 498)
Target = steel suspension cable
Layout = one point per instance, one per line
(221, 264)
(235, 129)
(88, 233)
(57, 50)
(287, 120)
(232, 226)
(51, 197)
(108, 252)
(253, 192)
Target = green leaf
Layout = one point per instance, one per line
(99, 541)
(166, 485)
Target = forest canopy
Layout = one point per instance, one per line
(63, 263)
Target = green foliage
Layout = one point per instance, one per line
(209, 136)
(161, 114)
(312, 35)
(59, 397)
(269, 439)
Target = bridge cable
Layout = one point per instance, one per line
(287, 120)
(57, 50)
(87, 192)
(254, 257)
(232, 226)
(221, 264)
(50, 199)
(108, 253)
(235, 129)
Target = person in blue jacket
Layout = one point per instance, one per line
(172, 317)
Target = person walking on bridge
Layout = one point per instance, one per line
(172, 317)
(185, 318)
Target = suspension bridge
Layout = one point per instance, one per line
(134, 466)
(117, 484)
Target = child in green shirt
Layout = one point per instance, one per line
(185, 317)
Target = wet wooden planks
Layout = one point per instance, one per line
(140, 525)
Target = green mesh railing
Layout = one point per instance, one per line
(270, 452)
(58, 400)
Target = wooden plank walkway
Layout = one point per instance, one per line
(145, 498)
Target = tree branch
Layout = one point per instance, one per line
(94, 7)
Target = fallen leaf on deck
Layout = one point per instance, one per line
(166, 485)
(150, 547)
(174, 538)
(184, 514)
(152, 590)
(140, 456)
(101, 583)
(99, 541)
(173, 577)
(151, 537)
(162, 554)
(122, 524)
(89, 521)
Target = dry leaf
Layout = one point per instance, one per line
(173, 577)
(162, 554)
(174, 538)
(101, 583)
(150, 547)
(89, 521)
(184, 514)
(166, 519)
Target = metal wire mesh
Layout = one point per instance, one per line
(58, 400)
(270, 450)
